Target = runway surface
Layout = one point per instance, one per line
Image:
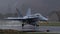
(16, 25)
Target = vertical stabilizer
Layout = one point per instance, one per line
(18, 13)
(28, 12)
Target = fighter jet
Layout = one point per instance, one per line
(28, 18)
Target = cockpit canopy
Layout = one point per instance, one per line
(37, 14)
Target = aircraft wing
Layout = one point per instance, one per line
(14, 18)
(19, 18)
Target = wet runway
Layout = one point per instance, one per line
(28, 27)
(16, 25)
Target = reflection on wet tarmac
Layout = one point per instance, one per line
(16, 25)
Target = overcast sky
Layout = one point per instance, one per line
(42, 6)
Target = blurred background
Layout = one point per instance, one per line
(50, 8)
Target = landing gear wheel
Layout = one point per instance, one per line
(22, 26)
(47, 30)
(37, 25)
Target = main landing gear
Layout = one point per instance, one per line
(23, 25)
(35, 25)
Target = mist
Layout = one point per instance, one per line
(40, 6)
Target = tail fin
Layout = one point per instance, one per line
(28, 12)
(18, 13)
